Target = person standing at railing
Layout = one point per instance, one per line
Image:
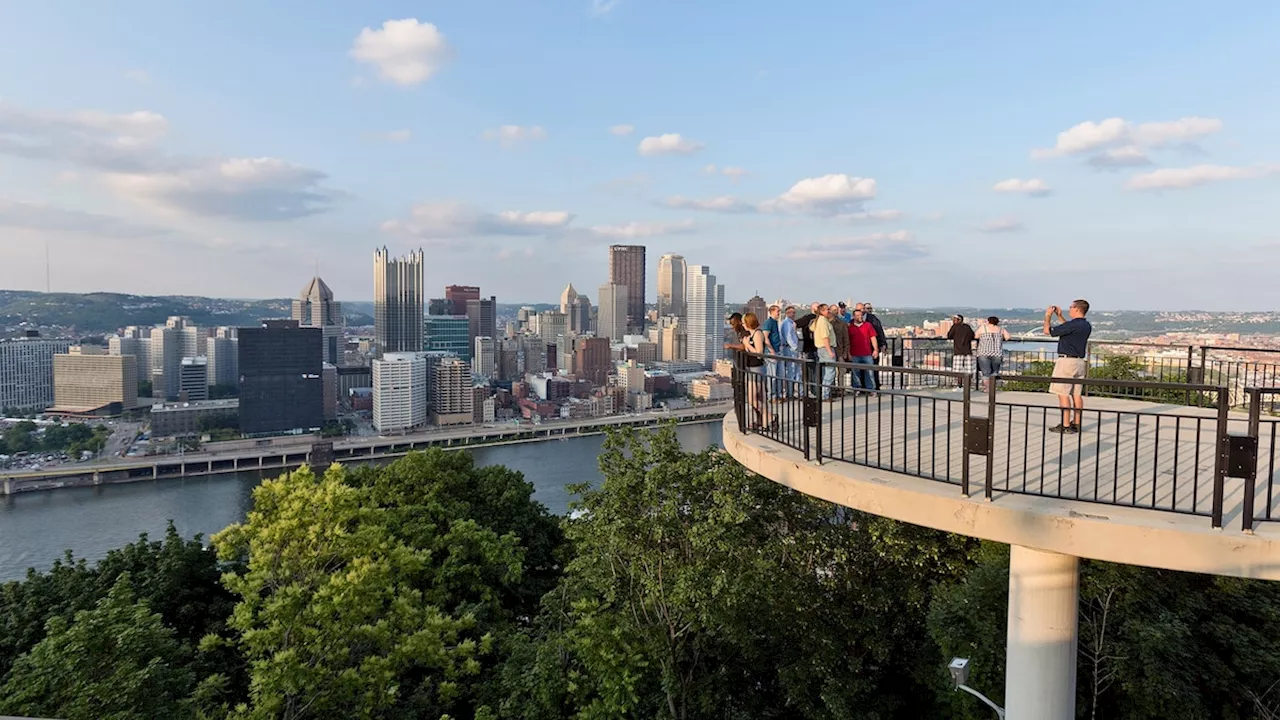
(772, 330)
(991, 340)
(840, 329)
(790, 349)
(863, 349)
(825, 341)
(756, 344)
(734, 332)
(1072, 363)
(882, 341)
(961, 337)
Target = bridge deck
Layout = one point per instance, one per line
(1129, 453)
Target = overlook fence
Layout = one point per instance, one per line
(1170, 446)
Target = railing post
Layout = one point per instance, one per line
(818, 410)
(1220, 457)
(991, 434)
(964, 470)
(1251, 479)
(804, 404)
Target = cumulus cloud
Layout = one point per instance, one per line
(828, 195)
(668, 144)
(405, 52)
(511, 135)
(873, 216)
(1004, 224)
(1117, 132)
(1035, 187)
(103, 141)
(878, 247)
(1121, 157)
(456, 220)
(1182, 178)
(722, 204)
(235, 188)
(635, 230)
(35, 216)
(621, 130)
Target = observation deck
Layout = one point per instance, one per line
(1161, 474)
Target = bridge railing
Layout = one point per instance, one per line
(933, 424)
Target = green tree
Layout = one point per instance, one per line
(699, 589)
(117, 661)
(331, 617)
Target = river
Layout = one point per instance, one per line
(36, 528)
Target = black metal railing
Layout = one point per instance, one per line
(1189, 458)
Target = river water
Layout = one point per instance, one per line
(36, 528)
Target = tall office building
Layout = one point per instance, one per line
(399, 391)
(452, 399)
(397, 301)
(758, 306)
(613, 322)
(673, 344)
(448, 333)
(166, 361)
(593, 358)
(484, 363)
(533, 354)
(568, 298)
(315, 307)
(281, 381)
(223, 353)
(457, 296)
(26, 372)
(508, 360)
(705, 303)
(94, 384)
(482, 317)
(626, 267)
(193, 381)
(580, 315)
(439, 306)
(552, 325)
(134, 341)
(672, 276)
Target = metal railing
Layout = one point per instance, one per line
(927, 423)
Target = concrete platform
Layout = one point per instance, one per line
(1108, 493)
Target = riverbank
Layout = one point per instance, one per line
(293, 452)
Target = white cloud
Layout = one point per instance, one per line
(729, 171)
(668, 144)
(1117, 132)
(104, 141)
(826, 195)
(1004, 224)
(600, 8)
(1126, 156)
(723, 204)
(236, 188)
(511, 135)
(1035, 187)
(456, 220)
(877, 247)
(397, 136)
(621, 130)
(406, 52)
(873, 216)
(1180, 178)
(35, 216)
(634, 230)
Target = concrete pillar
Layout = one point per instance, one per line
(1040, 674)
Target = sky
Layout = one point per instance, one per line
(998, 153)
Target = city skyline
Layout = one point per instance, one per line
(1142, 178)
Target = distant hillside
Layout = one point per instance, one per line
(106, 312)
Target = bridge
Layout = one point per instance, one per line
(292, 452)
(1163, 475)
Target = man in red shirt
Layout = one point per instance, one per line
(864, 349)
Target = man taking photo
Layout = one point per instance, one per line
(1072, 363)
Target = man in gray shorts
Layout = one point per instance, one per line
(1072, 362)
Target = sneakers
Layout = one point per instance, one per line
(1064, 429)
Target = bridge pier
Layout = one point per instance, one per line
(1040, 670)
(97, 477)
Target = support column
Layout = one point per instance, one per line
(1040, 675)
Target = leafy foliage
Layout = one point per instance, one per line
(72, 438)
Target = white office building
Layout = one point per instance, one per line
(399, 391)
(612, 320)
(26, 372)
(672, 280)
(705, 311)
(223, 352)
(484, 358)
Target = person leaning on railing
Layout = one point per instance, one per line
(756, 346)
(991, 340)
(1072, 363)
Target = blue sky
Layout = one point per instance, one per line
(914, 153)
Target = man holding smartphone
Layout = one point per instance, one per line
(1072, 363)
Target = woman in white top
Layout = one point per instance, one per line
(755, 345)
(991, 339)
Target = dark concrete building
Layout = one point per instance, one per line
(626, 267)
(281, 378)
(482, 318)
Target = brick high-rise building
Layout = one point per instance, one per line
(626, 267)
(457, 297)
(593, 359)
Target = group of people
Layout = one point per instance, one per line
(832, 333)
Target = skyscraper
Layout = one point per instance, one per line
(612, 321)
(223, 352)
(552, 325)
(451, 397)
(281, 381)
(758, 306)
(458, 296)
(482, 317)
(568, 298)
(593, 359)
(315, 308)
(193, 379)
(672, 277)
(397, 301)
(484, 363)
(626, 267)
(448, 333)
(580, 315)
(705, 303)
(399, 391)
(26, 372)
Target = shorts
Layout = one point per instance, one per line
(989, 365)
(963, 364)
(1073, 368)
